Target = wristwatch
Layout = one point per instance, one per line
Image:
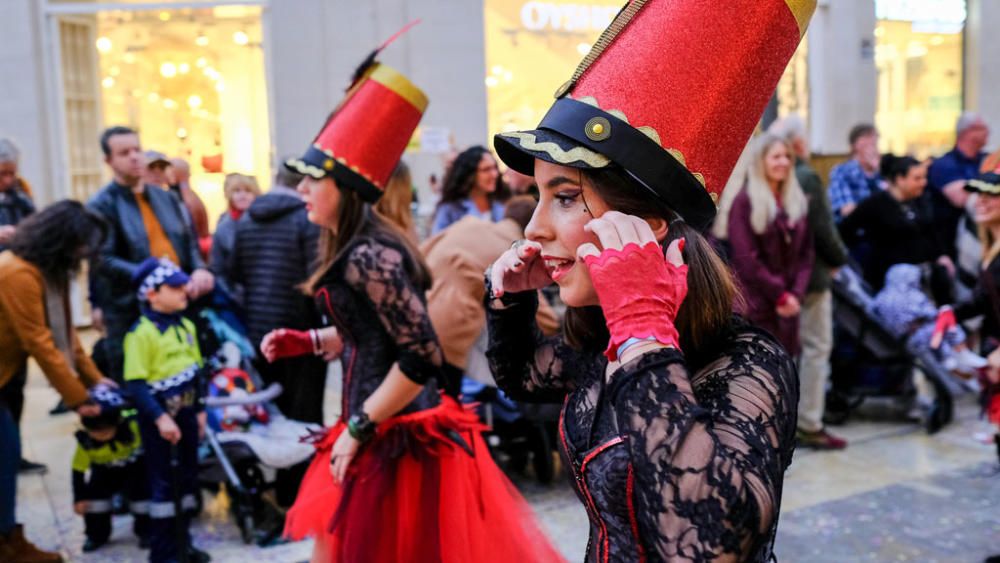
(360, 427)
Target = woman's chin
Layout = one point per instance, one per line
(573, 296)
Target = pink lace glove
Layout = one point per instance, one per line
(640, 293)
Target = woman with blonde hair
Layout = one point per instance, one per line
(770, 241)
(240, 191)
(396, 205)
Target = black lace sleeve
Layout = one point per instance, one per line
(527, 365)
(378, 271)
(708, 464)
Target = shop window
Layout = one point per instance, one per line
(192, 82)
(793, 88)
(918, 56)
(532, 47)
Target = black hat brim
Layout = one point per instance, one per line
(318, 165)
(583, 136)
(988, 183)
(513, 150)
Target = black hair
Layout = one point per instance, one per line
(892, 166)
(461, 177)
(286, 177)
(111, 132)
(860, 130)
(58, 238)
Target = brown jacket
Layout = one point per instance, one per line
(24, 332)
(458, 257)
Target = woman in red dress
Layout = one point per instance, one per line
(404, 475)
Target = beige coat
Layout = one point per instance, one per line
(458, 257)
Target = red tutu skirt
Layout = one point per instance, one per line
(424, 489)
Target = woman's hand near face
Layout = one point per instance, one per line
(640, 289)
(519, 269)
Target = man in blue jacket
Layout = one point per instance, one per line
(144, 221)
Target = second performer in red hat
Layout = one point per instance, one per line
(404, 475)
(679, 418)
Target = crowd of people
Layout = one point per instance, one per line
(785, 235)
(673, 350)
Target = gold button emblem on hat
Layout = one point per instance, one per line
(597, 129)
(328, 164)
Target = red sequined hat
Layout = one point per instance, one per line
(670, 92)
(364, 137)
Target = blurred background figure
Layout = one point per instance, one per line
(816, 326)
(519, 184)
(952, 204)
(15, 199)
(396, 205)
(457, 258)
(157, 171)
(179, 176)
(770, 242)
(857, 179)
(274, 251)
(240, 191)
(471, 186)
(898, 225)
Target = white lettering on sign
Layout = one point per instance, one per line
(922, 11)
(542, 16)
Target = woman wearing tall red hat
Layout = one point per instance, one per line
(679, 418)
(404, 475)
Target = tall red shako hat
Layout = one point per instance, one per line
(670, 92)
(364, 137)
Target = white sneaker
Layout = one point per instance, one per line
(967, 360)
(950, 363)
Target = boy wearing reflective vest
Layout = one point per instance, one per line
(109, 460)
(162, 371)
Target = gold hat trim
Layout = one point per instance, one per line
(529, 141)
(803, 11)
(393, 80)
(645, 130)
(305, 168)
(985, 187)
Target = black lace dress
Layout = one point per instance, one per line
(427, 467)
(383, 319)
(675, 459)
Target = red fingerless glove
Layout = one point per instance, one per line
(945, 322)
(291, 343)
(640, 293)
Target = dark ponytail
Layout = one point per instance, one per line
(892, 166)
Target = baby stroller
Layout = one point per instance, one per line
(247, 438)
(868, 360)
(518, 431)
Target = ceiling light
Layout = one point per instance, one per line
(168, 70)
(240, 38)
(194, 101)
(183, 68)
(108, 82)
(103, 44)
(201, 40)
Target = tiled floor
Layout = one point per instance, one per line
(895, 495)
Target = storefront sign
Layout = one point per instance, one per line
(553, 16)
(941, 16)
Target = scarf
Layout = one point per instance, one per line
(57, 313)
